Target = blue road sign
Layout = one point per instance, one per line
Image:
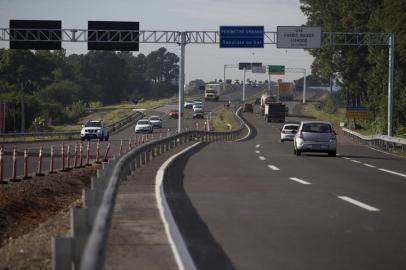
(241, 36)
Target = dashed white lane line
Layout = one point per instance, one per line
(299, 181)
(347, 158)
(272, 167)
(258, 146)
(355, 161)
(368, 165)
(359, 204)
(262, 158)
(392, 172)
(258, 152)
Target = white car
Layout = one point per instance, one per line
(94, 130)
(144, 125)
(189, 104)
(315, 136)
(156, 121)
(288, 131)
(198, 105)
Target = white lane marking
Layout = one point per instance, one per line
(262, 158)
(392, 172)
(299, 181)
(368, 165)
(355, 161)
(383, 152)
(181, 253)
(272, 167)
(258, 152)
(258, 146)
(359, 204)
(245, 124)
(347, 158)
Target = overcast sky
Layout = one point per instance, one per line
(202, 61)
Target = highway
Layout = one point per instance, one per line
(169, 125)
(255, 205)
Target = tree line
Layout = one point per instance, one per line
(363, 70)
(57, 88)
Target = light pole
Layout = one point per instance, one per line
(23, 106)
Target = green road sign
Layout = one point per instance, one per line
(276, 70)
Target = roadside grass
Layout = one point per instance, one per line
(310, 109)
(223, 119)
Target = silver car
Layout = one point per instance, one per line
(315, 136)
(288, 131)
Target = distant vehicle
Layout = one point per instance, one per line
(174, 114)
(247, 107)
(288, 131)
(198, 106)
(198, 113)
(285, 90)
(315, 136)
(257, 101)
(275, 112)
(143, 125)
(197, 101)
(156, 121)
(95, 129)
(189, 104)
(265, 99)
(212, 91)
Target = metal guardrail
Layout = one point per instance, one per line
(70, 135)
(85, 249)
(383, 142)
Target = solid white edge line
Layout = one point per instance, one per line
(273, 167)
(299, 181)
(359, 204)
(368, 165)
(249, 130)
(181, 253)
(383, 152)
(392, 172)
(262, 158)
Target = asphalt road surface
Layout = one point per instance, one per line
(255, 205)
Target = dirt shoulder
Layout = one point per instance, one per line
(35, 210)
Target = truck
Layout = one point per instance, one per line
(212, 92)
(275, 112)
(285, 90)
(266, 99)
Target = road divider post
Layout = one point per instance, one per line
(39, 164)
(51, 163)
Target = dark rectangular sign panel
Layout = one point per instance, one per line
(41, 35)
(248, 66)
(110, 40)
(241, 36)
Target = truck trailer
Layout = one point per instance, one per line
(275, 112)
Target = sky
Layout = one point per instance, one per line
(202, 61)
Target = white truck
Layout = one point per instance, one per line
(212, 91)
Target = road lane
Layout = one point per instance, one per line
(294, 217)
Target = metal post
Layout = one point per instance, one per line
(304, 87)
(390, 81)
(243, 87)
(181, 80)
(269, 84)
(224, 80)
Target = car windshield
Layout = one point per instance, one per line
(317, 128)
(93, 124)
(292, 127)
(143, 122)
(211, 91)
(154, 118)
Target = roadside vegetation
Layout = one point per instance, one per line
(223, 119)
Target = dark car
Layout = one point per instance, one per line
(248, 107)
(258, 101)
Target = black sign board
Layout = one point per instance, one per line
(110, 40)
(248, 66)
(41, 35)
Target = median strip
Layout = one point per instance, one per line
(303, 182)
(359, 204)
